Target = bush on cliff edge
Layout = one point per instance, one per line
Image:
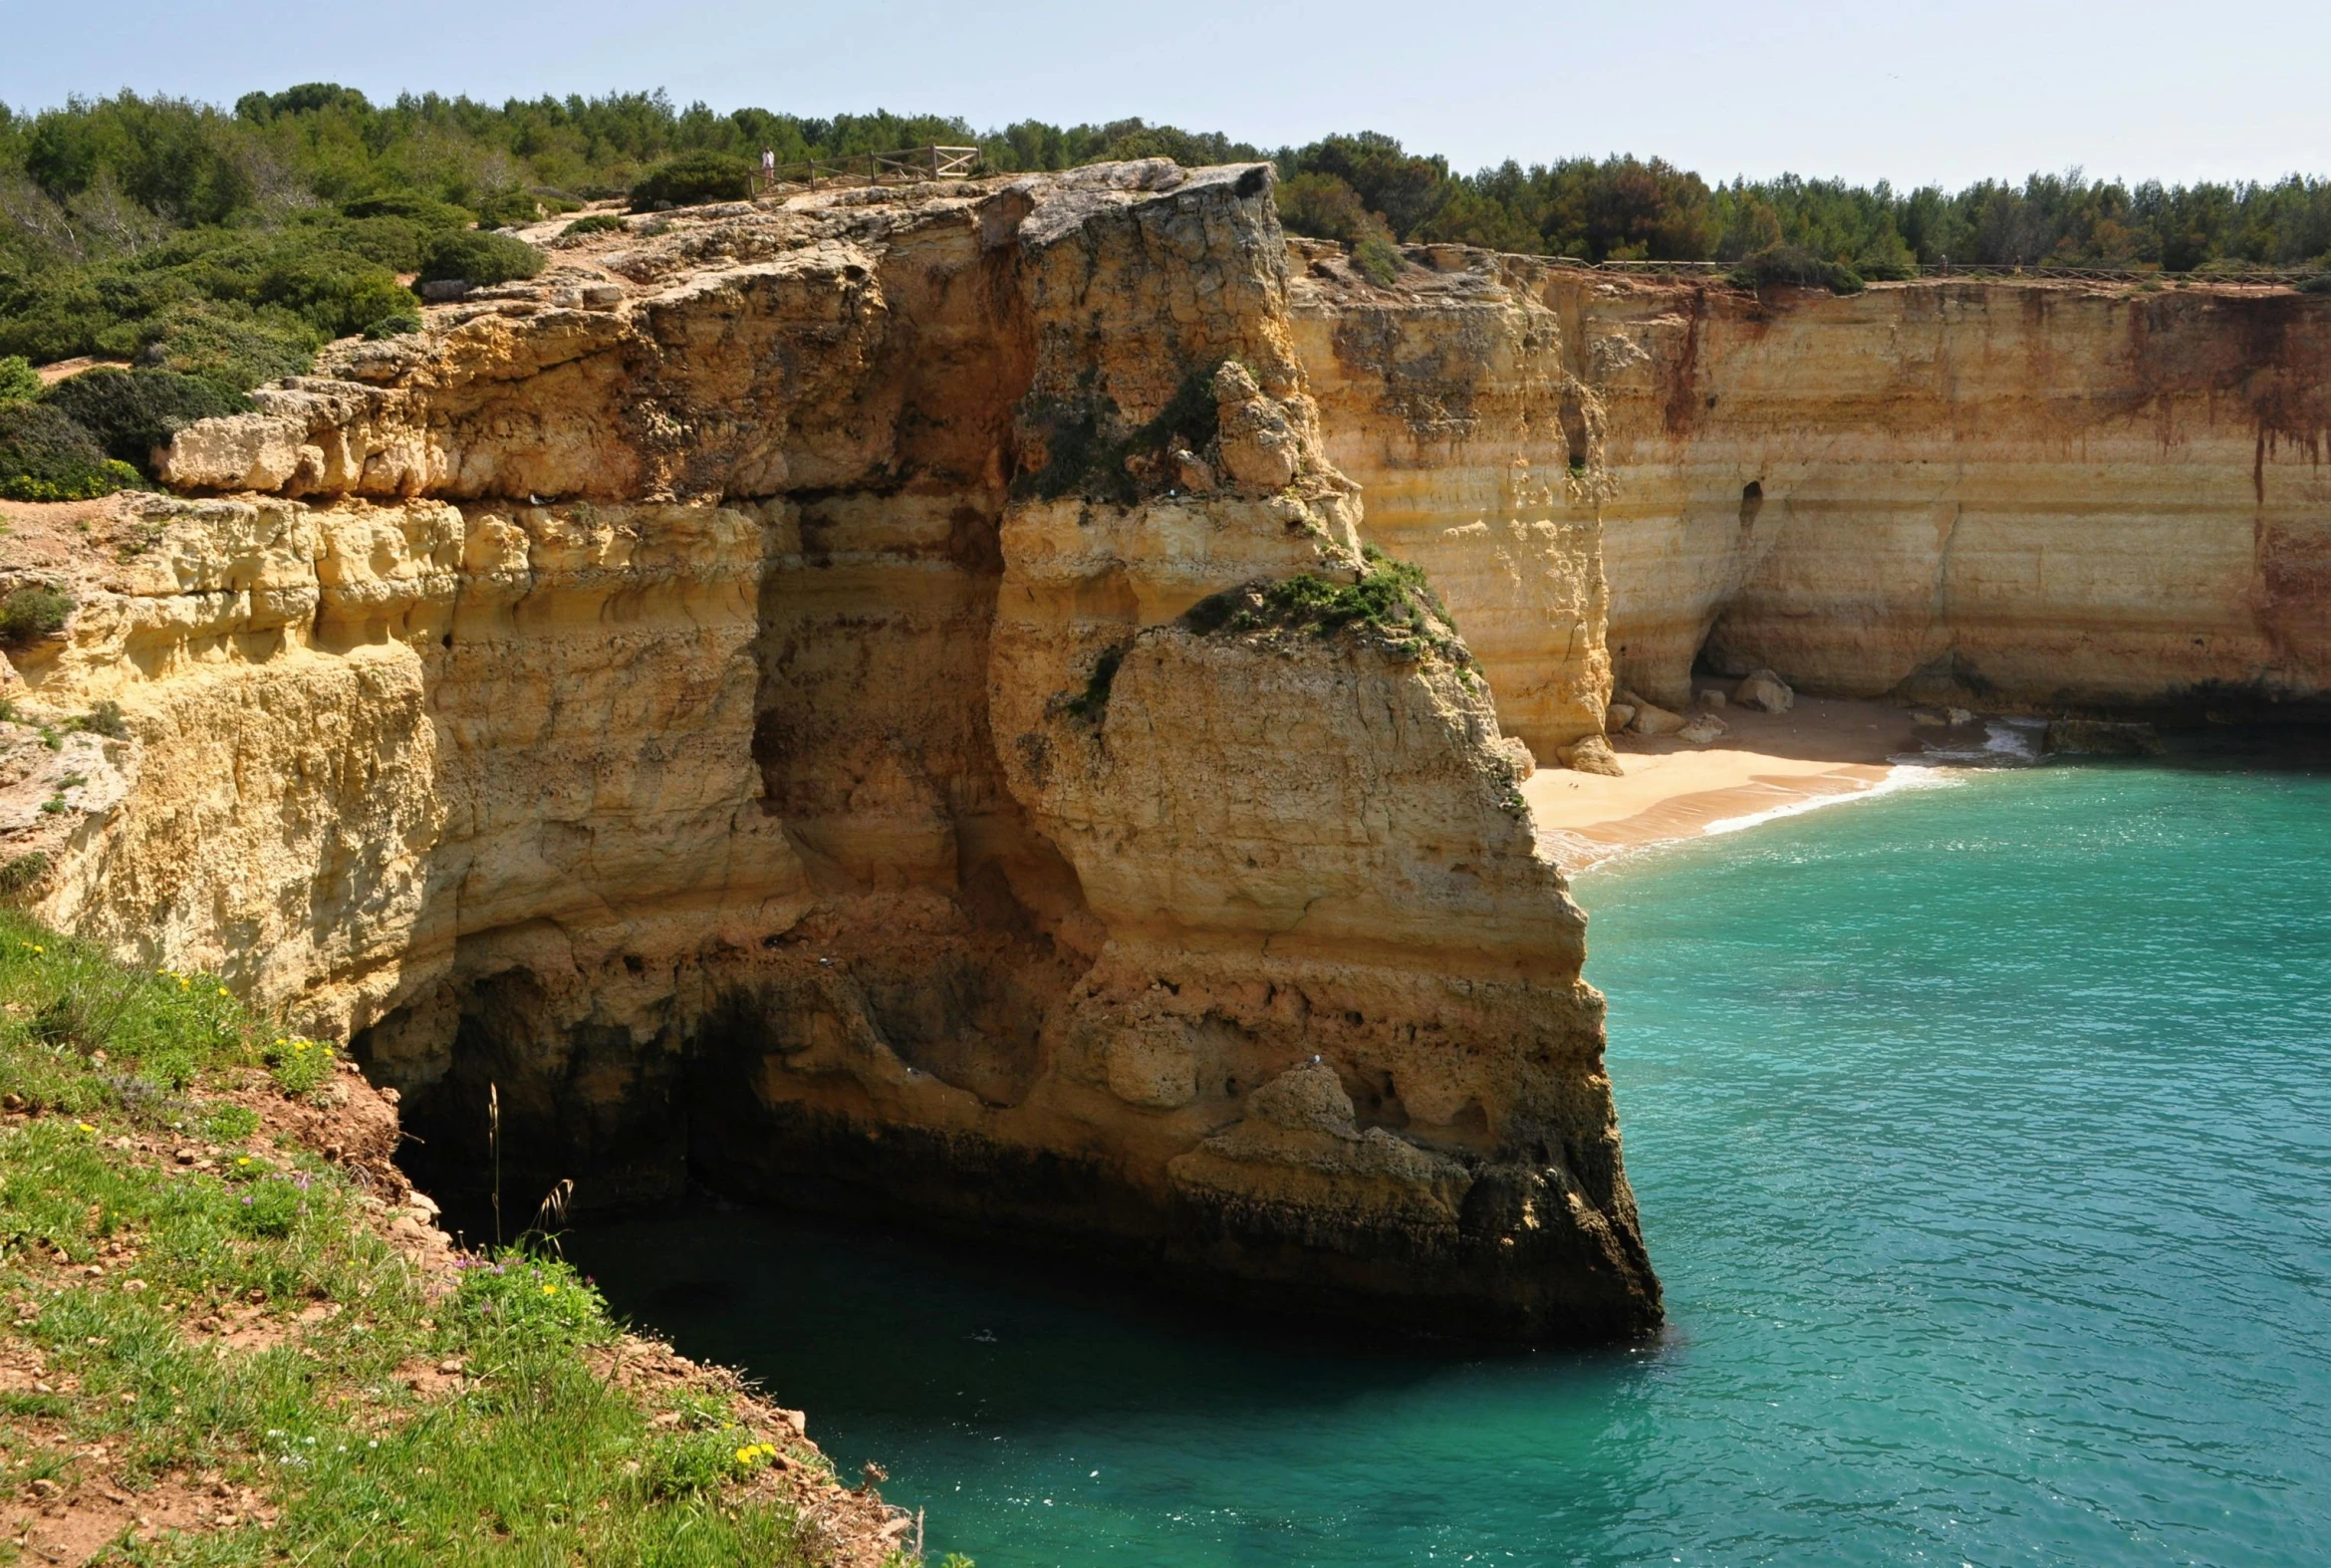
(477, 257)
(691, 179)
(131, 412)
(1791, 265)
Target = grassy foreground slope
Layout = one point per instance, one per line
(230, 1339)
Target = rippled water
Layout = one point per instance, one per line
(1983, 1141)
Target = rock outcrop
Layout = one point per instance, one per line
(778, 700)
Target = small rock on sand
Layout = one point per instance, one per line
(1617, 716)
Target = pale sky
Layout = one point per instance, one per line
(1915, 91)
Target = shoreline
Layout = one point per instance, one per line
(1766, 766)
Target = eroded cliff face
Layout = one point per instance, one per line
(737, 695)
(799, 698)
(2046, 497)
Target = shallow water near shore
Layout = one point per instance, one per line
(1982, 1136)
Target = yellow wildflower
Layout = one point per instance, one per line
(85, 1126)
(550, 1290)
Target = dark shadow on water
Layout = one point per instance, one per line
(850, 1319)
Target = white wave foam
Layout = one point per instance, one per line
(1900, 776)
(2007, 743)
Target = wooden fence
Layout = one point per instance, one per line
(874, 169)
(2260, 275)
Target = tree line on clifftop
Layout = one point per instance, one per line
(217, 248)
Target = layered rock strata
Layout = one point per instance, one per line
(770, 698)
(2026, 496)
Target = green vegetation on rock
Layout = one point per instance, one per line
(30, 613)
(1090, 450)
(1390, 600)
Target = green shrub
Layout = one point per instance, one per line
(131, 412)
(396, 243)
(1327, 208)
(1790, 264)
(594, 224)
(409, 205)
(395, 326)
(479, 258)
(31, 613)
(507, 208)
(228, 344)
(337, 291)
(1377, 262)
(46, 455)
(1883, 269)
(2320, 283)
(691, 179)
(19, 382)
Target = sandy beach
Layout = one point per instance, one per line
(1819, 750)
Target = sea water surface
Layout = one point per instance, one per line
(1982, 1137)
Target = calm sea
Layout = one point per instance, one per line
(1982, 1135)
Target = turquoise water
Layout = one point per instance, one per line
(1982, 1136)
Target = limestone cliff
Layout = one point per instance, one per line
(880, 699)
(2030, 496)
(771, 696)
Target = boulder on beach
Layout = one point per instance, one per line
(1765, 691)
(1590, 754)
(1702, 728)
(1617, 716)
(1651, 719)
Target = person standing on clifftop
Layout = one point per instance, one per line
(768, 167)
